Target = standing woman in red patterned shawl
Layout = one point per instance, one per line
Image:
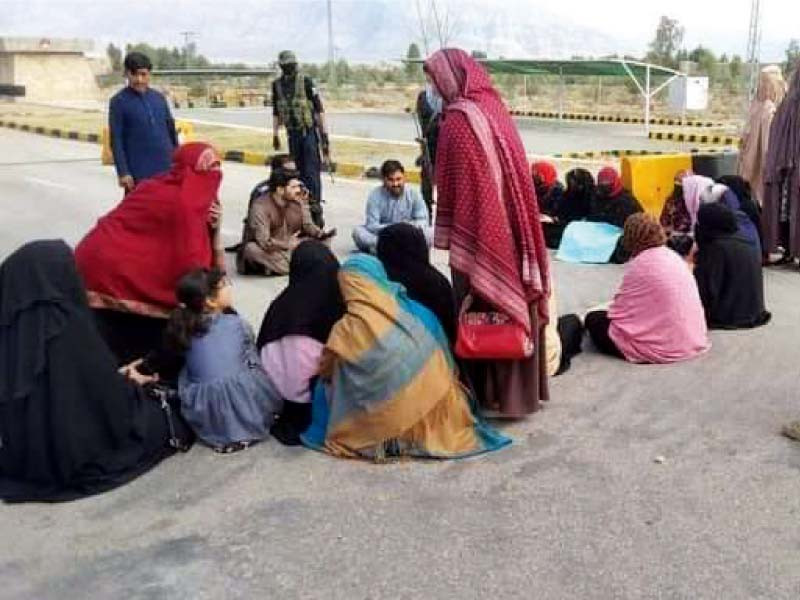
(488, 218)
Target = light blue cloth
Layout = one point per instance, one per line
(588, 242)
(384, 209)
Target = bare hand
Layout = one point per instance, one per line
(215, 214)
(691, 258)
(294, 240)
(126, 182)
(131, 371)
(326, 235)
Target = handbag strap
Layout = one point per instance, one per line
(465, 304)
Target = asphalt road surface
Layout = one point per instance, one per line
(577, 507)
(540, 136)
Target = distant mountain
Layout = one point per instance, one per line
(256, 30)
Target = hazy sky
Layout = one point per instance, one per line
(719, 24)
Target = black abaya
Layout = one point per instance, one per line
(728, 271)
(70, 424)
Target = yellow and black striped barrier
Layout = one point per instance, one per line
(579, 116)
(539, 114)
(58, 133)
(680, 136)
(600, 154)
(343, 169)
(358, 170)
(604, 154)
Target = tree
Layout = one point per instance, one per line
(479, 54)
(705, 60)
(171, 58)
(664, 47)
(792, 55)
(114, 57)
(736, 66)
(438, 24)
(413, 54)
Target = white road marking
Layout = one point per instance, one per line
(52, 184)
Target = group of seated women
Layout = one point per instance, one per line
(598, 209)
(679, 216)
(664, 306)
(118, 355)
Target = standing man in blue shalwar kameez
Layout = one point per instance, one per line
(297, 106)
(143, 135)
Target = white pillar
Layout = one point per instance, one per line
(647, 101)
(599, 94)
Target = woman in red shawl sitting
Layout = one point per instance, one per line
(132, 258)
(488, 218)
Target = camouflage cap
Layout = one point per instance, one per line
(287, 57)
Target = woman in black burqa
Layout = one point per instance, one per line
(404, 253)
(70, 424)
(728, 271)
(294, 331)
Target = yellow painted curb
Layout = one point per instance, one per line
(255, 158)
(350, 169)
(680, 136)
(414, 176)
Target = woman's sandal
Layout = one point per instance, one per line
(231, 448)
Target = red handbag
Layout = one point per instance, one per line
(490, 336)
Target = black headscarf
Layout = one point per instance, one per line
(578, 196)
(714, 220)
(739, 186)
(39, 290)
(404, 253)
(312, 302)
(69, 423)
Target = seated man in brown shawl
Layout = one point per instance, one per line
(277, 222)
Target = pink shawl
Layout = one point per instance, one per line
(657, 315)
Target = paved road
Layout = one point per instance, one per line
(576, 508)
(540, 136)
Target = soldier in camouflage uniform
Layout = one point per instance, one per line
(296, 105)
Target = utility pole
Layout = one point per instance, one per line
(331, 49)
(187, 39)
(423, 29)
(439, 28)
(754, 48)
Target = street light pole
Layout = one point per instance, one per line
(187, 37)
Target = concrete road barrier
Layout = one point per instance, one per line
(651, 178)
